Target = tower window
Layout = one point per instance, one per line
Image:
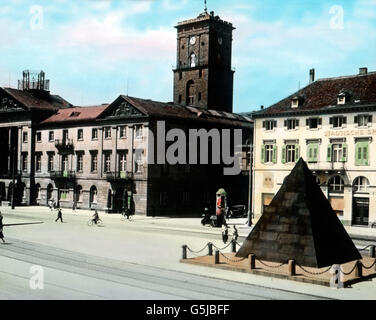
(190, 93)
(199, 96)
(193, 60)
(180, 75)
(180, 98)
(200, 73)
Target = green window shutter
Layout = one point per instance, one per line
(366, 154)
(297, 153)
(309, 152)
(274, 154)
(329, 153)
(315, 157)
(284, 154)
(344, 152)
(263, 154)
(358, 154)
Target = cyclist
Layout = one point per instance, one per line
(95, 217)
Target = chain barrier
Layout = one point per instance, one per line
(269, 266)
(314, 273)
(348, 273)
(370, 267)
(222, 248)
(196, 252)
(238, 244)
(231, 260)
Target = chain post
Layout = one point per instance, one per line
(216, 258)
(292, 268)
(359, 269)
(252, 261)
(372, 252)
(184, 247)
(210, 248)
(233, 246)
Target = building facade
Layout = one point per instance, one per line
(106, 157)
(330, 124)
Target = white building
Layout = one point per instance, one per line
(331, 124)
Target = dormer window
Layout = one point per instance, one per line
(344, 97)
(297, 101)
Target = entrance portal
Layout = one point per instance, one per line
(360, 211)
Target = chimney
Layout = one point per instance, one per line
(262, 107)
(363, 70)
(311, 75)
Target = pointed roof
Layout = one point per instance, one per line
(300, 224)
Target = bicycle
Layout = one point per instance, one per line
(91, 222)
(126, 216)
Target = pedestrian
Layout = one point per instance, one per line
(1, 228)
(74, 206)
(95, 217)
(59, 216)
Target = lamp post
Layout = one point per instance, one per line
(250, 185)
(13, 175)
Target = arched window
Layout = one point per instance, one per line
(193, 61)
(78, 194)
(336, 184)
(50, 189)
(361, 184)
(93, 194)
(37, 191)
(190, 92)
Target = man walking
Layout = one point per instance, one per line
(1, 228)
(59, 215)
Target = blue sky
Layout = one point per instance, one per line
(95, 50)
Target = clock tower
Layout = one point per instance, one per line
(203, 76)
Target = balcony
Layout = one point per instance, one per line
(325, 166)
(64, 146)
(119, 176)
(63, 175)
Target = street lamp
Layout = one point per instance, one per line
(13, 175)
(250, 184)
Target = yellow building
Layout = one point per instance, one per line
(331, 124)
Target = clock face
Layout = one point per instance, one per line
(192, 40)
(220, 40)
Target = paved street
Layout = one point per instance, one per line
(130, 260)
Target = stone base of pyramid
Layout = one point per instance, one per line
(228, 261)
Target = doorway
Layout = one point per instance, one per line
(360, 211)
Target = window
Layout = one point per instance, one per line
(269, 153)
(180, 75)
(24, 137)
(123, 132)
(94, 134)
(50, 162)
(290, 153)
(362, 153)
(337, 152)
(80, 134)
(39, 136)
(361, 184)
(336, 184)
(107, 162)
(107, 132)
(193, 60)
(314, 123)
(38, 162)
(312, 152)
(200, 73)
(190, 93)
(363, 120)
(94, 161)
(80, 162)
(64, 163)
(122, 162)
(291, 124)
(138, 131)
(199, 96)
(64, 194)
(180, 98)
(51, 136)
(269, 125)
(93, 194)
(338, 122)
(138, 162)
(24, 162)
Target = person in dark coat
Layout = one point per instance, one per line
(1, 228)
(59, 216)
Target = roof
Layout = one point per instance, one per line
(37, 100)
(76, 114)
(300, 224)
(323, 93)
(171, 110)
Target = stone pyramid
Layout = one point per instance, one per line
(300, 225)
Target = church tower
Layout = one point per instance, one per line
(203, 76)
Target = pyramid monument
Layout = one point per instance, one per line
(300, 224)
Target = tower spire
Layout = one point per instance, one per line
(206, 7)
